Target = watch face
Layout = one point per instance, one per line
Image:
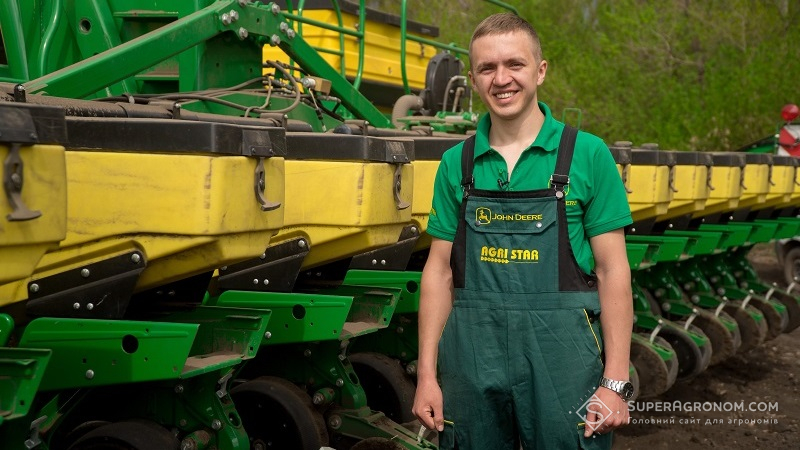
(627, 390)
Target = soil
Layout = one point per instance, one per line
(767, 378)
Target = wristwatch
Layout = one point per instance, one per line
(623, 388)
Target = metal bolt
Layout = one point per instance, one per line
(411, 369)
(89, 374)
(301, 243)
(243, 3)
(216, 424)
(243, 33)
(34, 287)
(267, 335)
(400, 330)
(263, 256)
(85, 273)
(179, 389)
(223, 268)
(266, 282)
(374, 262)
(275, 40)
(283, 27)
(414, 230)
(307, 353)
(226, 19)
(255, 280)
(188, 444)
(76, 305)
(90, 306)
(341, 357)
(318, 399)
(339, 382)
(290, 33)
(383, 262)
(135, 258)
(275, 9)
(335, 422)
(234, 15)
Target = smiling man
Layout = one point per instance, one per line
(525, 312)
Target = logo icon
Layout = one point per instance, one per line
(483, 216)
(593, 412)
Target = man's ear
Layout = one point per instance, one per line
(541, 72)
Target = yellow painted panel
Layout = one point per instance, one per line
(651, 193)
(344, 208)
(781, 188)
(424, 176)
(112, 194)
(382, 50)
(727, 182)
(23, 243)
(756, 185)
(691, 190)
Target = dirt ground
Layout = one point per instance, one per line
(766, 376)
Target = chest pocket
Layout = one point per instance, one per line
(511, 244)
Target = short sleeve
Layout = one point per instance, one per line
(608, 208)
(443, 217)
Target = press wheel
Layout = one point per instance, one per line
(127, 435)
(722, 340)
(388, 387)
(792, 307)
(652, 370)
(752, 330)
(276, 414)
(776, 322)
(690, 356)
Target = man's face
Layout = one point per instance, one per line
(506, 74)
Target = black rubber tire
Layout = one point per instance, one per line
(792, 305)
(389, 388)
(735, 332)
(279, 415)
(690, 357)
(776, 323)
(654, 376)
(791, 265)
(722, 340)
(753, 332)
(128, 435)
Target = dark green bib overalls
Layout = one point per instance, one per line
(520, 354)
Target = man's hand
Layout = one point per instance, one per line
(428, 404)
(605, 415)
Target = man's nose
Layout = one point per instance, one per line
(502, 76)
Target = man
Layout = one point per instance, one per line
(516, 235)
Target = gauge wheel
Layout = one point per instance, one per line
(276, 414)
(752, 325)
(723, 342)
(776, 323)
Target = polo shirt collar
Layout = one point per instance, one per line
(547, 139)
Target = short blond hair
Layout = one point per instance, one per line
(502, 23)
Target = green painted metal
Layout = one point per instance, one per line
(295, 317)
(733, 234)
(22, 370)
(671, 248)
(90, 353)
(6, 328)
(364, 423)
(705, 242)
(372, 308)
(665, 353)
(226, 336)
(16, 53)
(788, 227)
(407, 282)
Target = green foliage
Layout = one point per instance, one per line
(690, 75)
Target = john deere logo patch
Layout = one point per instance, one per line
(483, 216)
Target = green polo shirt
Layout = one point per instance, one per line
(596, 201)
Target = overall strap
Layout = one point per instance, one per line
(467, 165)
(566, 147)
